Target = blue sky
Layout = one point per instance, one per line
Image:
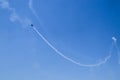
(82, 30)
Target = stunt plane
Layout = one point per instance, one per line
(31, 25)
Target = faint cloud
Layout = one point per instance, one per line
(4, 4)
(36, 65)
(14, 17)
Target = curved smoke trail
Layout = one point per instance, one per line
(60, 53)
(25, 22)
(69, 59)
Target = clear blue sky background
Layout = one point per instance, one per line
(81, 29)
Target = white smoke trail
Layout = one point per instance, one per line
(61, 54)
(69, 59)
(114, 39)
(14, 17)
(118, 53)
(117, 48)
(25, 22)
(33, 11)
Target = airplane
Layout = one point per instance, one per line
(31, 25)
